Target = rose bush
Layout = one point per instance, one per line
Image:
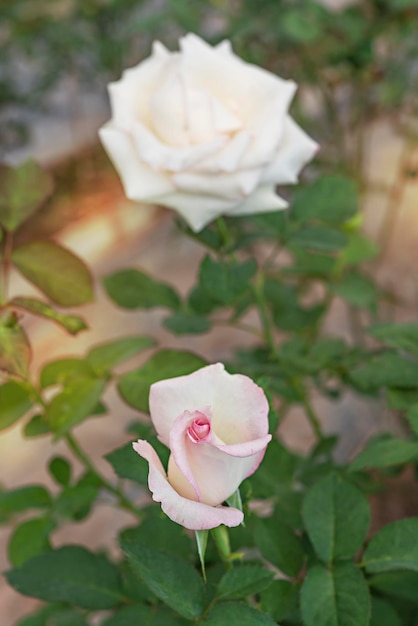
(215, 425)
(202, 132)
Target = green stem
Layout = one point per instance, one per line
(313, 419)
(264, 314)
(5, 266)
(84, 459)
(224, 232)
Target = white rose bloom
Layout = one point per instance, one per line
(204, 133)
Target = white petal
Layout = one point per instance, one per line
(196, 210)
(139, 180)
(296, 149)
(263, 200)
(228, 158)
(231, 186)
(161, 156)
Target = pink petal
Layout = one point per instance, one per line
(190, 514)
(239, 406)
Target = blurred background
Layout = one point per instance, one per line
(356, 64)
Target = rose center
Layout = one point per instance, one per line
(199, 429)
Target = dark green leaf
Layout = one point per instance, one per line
(386, 370)
(337, 517)
(157, 531)
(52, 615)
(56, 271)
(398, 584)
(398, 336)
(29, 539)
(134, 386)
(187, 324)
(224, 282)
(280, 599)
(73, 404)
(69, 574)
(359, 291)
(383, 613)
(385, 452)
(133, 289)
(22, 191)
(229, 613)
(337, 597)
(279, 545)
(358, 250)
(135, 615)
(395, 547)
(15, 352)
(319, 238)
(331, 199)
(128, 464)
(72, 323)
(244, 581)
(15, 400)
(23, 499)
(75, 501)
(412, 417)
(107, 355)
(60, 469)
(174, 581)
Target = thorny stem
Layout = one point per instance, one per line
(84, 459)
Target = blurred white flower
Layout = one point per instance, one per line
(204, 133)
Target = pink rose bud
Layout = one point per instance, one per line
(216, 427)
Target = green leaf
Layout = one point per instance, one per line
(319, 238)
(22, 191)
(187, 324)
(157, 531)
(385, 452)
(69, 574)
(61, 371)
(395, 547)
(244, 581)
(15, 400)
(133, 289)
(280, 599)
(412, 417)
(174, 581)
(225, 282)
(358, 250)
(137, 614)
(23, 499)
(359, 291)
(337, 518)
(15, 352)
(330, 199)
(398, 584)
(304, 27)
(383, 613)
(107, 355)
(134, 386)
(127, 464)
(73, 404)
(72, 323)
(229, 613)
(52, 615)
(36, 426)
(29, 539)
(386, 370)
(337, 597)
(276, 472)
(201, 537)
(279, 545)
(398, 336)
(75, 501)
(56, 271)
(60, 470)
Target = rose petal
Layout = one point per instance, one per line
(296, 149)
(196, 210)
(190, 514)
(160, 156)
(232, 186)
(239, 406)
(139, 181)
(263, 200)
